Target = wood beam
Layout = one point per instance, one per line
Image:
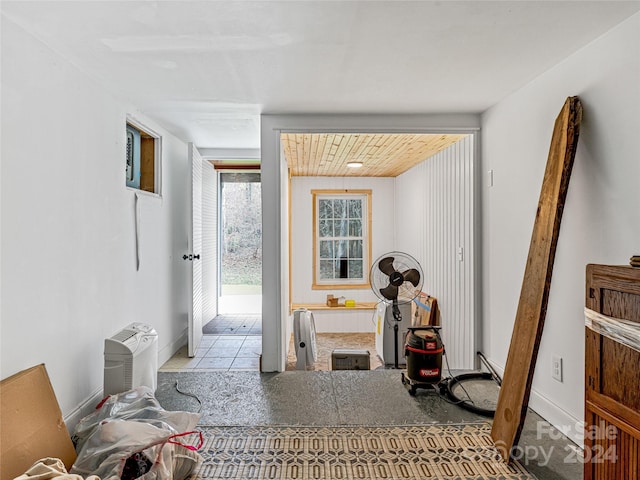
(514, 394)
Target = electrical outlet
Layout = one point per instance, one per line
(556, 367)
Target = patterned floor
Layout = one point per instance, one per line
(326, 343)
(411, 452)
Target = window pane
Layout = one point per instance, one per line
(342, 268)
(339, 208)
(326, 269)
(326, 228)
(355, 269)
(325, 209)
(326, 249)
(355, 228)
(355, 248)
(340, 228)
(340, 248)
(355, 208)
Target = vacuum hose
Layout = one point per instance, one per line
(467, 404)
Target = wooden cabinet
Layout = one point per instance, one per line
(612, 378)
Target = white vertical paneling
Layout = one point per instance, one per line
(209, 242)
(435, 223)
(195, 248)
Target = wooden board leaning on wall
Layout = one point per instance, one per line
(513, 399)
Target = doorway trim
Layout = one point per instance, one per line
(227, 159)
(275, 194)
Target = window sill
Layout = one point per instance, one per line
(323, 306)
(144, 193)
(340, 286)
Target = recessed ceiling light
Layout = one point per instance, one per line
(354, 164)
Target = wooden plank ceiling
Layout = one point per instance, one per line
(382, 155)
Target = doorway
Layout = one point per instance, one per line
(406, 207)
(233, 337)
(240, 233)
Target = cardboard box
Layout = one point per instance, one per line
(31, 424)
(331, 301)
(427, 313)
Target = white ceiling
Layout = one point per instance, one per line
(205, 70)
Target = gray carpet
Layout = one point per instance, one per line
(343, 397)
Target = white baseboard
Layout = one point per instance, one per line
(87, 407)
(556, 416)
(169, 350)
(552, 413)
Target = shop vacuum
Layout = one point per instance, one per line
(423, 349)
(396, 278)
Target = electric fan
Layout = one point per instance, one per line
(396, 278)
(304, 336)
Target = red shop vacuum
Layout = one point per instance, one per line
(423, 350)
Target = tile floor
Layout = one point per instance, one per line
(219, 353)
(233, 342)
(230, 342)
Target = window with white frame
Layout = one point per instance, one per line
(342, 244)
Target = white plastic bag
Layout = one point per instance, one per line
(139, 403)
(112, 442)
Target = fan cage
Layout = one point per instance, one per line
(402, 262)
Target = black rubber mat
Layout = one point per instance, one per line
(234, 325)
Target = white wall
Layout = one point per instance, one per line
(601, 219)
(382, 235)
(69, 277)
(436, 223)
